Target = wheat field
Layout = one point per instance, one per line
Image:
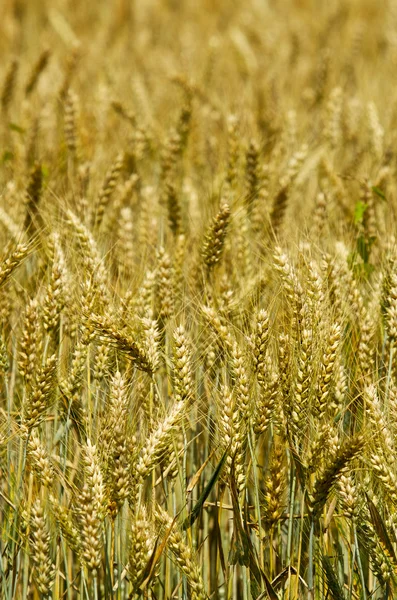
(198, 299)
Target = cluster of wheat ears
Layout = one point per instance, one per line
(198, 299)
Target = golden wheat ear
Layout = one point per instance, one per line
(9, 83)
(215, 238)
(183, 555)
(39, 541)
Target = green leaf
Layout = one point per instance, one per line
(363, 249)
(359, 211)
(190, 519)
(7, 155)
(16, 128)
(379, 193)
(381, 529)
